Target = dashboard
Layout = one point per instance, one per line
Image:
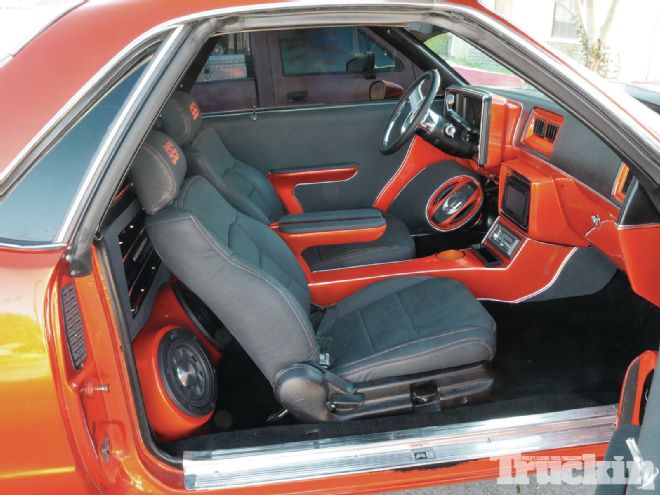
(558, 182)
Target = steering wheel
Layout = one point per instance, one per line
(408, 114)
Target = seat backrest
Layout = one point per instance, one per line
(238, 266)
(245, 187)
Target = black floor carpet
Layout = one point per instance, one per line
(551, 356)
(580, 345)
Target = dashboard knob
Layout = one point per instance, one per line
(450, 130)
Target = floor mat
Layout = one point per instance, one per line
(580, 345)
(298, 432)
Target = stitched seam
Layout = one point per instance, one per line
(366, 330)
(248, 205)
(405, 312)
(168, 173)
(187, 125)
(442, 349)
(250, 270)
(185, 188)
(401, 346)
(418, 280)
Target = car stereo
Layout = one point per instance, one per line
(515, 202)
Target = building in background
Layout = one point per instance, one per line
(631, 29)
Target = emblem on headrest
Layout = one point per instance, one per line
(194, 110)
(171, 151)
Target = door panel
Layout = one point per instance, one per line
(315, 137)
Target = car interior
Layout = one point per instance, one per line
(432, 254)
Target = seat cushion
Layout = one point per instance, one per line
(396, 244)
(405, 326)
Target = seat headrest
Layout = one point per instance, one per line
(158, 171)
(181, 118)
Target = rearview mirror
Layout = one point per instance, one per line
(364, 63)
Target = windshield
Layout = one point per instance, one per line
(471, 63)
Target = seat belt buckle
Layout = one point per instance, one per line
(324, 359)
(324, 351)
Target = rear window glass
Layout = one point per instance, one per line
(34, 211)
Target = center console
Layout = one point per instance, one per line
(516, 200)
(503, 239)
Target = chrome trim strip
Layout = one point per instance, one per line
(484, 127)
(32, 247)
(434, 445)
(118, 123)
(303, 108)
(78, 97)
(63, 10)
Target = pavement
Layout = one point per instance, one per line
(492, 488)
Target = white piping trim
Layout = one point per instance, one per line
(293, 191)
(542, 289)
(396, 174)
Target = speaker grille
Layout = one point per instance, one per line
(187, 373)
(73, 326)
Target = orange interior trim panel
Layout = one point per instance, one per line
(285, 183)
(419, 156)
(541, 131)
(513, 280)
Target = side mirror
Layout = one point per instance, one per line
(384, 90)
(364, 63)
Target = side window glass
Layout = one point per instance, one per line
(231, 59)
(227, 81)
(34, 211)
(329, 51)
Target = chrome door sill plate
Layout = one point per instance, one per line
(205, 470)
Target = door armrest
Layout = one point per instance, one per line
(285, 180)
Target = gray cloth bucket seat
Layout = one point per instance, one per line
(249, 278)
(250, 192)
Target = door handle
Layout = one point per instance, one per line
(297, 96)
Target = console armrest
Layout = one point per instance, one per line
(337, 215)
(338, 226)
(300, 236)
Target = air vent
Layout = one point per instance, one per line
(73, 326)
(551, 132)
(539, 127)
